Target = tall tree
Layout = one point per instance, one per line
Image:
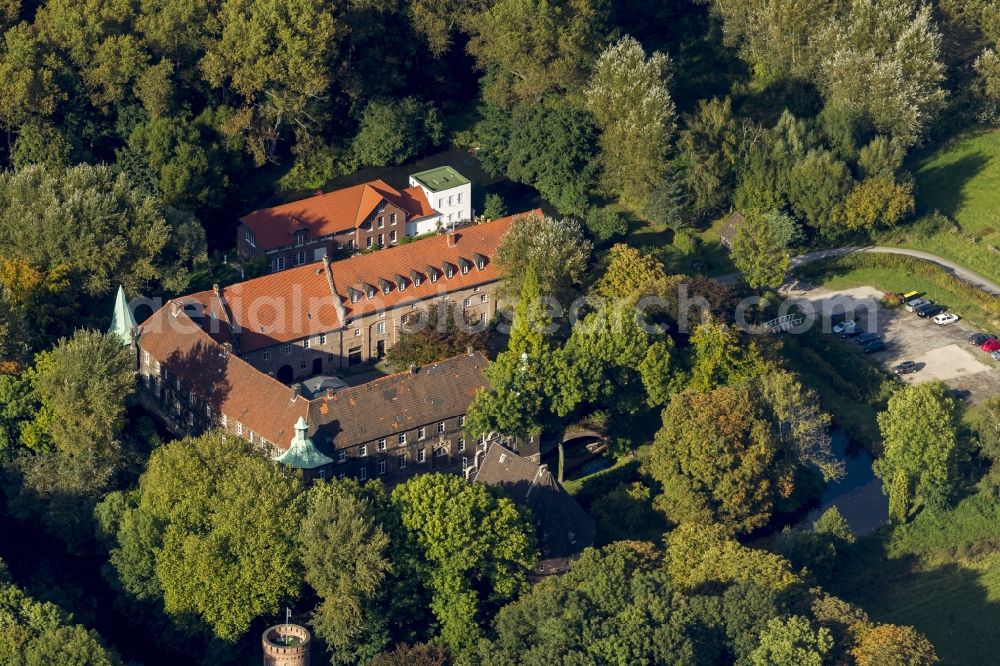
(718, 460)
(346, 560)
(278, 58)
(710, 145)
(473, 550)
(528, 49)
(921, 456)
(760, 253)
(556, 249)
(522, 379)
(792, 642)
(629, 97)
(395, 131)
(214, 515)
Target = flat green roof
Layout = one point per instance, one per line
(441, 178)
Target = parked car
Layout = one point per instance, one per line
(844, 326)
(961, 394)
(946, 318)
(852, 332)
(916, 303)
(979, 339)
(930, 310)
(906, 367)
(995, 355)
(865, 338)
(873, 346)
(990, 345)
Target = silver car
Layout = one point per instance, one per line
(916, 303)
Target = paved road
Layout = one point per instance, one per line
(961, 272)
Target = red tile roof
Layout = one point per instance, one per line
(296, 303)
(223, 380)
(332, 212)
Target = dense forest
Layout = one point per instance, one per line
(136, 132)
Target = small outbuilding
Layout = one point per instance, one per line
(732, 227)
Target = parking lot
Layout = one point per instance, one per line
(941, 352)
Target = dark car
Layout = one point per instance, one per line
(873, 346)
(853, 332)
(866, 338)
(930, 310)
(979, 339)
(906, 367)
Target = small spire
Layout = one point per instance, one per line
(302, 453)
(122, 321)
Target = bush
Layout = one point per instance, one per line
(605, 224)
(687, 243)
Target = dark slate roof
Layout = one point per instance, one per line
(397, 403)
(564, 529)
(729, 230)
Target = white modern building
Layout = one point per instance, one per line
(448, 192)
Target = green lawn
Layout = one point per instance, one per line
(711, 258)
(962, 180)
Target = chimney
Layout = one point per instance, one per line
(326, 262)
(413, 368)
(452, 239)
(227, 349)
(329, 393)
(175, 308)
(295, 392)
(469, 350)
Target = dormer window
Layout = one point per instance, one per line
(385, 285)
(449, 271)
(300, 237)
(433, 273)
(355, 294)
(416, 278)
(465, 264)
(480, 261)
(250, 238)
(371, 291)
(401, 283)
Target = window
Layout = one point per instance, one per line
(461, 443)
(381, 467)
(381, 240)
(402, 286)
(371, 292)
(465, 268)
(417, 280)
(441, 203)
(363, 450)
(300, 238)
(225, 421)
(401, 460)
(363, 474)
(461, 421)
(459, 197)
(392, 218)
(248, 235)
(484, 298)
(441, 427)
(340, 245)
(381, 222)
(451, 200)
(341, 456)
(355, 296)
(368, 225)
(278, 264)
(322, 474)
(357, 332)
(381, 444)
(480, 264)
(421, 433)
(386, 289)
(438, 452)
(145, 357)
(305, 343)
(402, 438)
(421, 456)
(350, 245)
(288, 350)
(434, 277)
(482, 318)
(322, 339)
(468, 302)
(302, 364)
(300, 258)
(380, 327)
(239, 428)
(392, 236)
(250, 436)
(267, 354)
(449, 272)
(369, 242)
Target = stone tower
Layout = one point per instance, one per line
(286, 645)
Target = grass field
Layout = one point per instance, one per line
(962, 180)
(939, 573)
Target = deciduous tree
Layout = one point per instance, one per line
(792, 642)
(555, 248)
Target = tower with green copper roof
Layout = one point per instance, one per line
(122, 321)
(303, 454)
